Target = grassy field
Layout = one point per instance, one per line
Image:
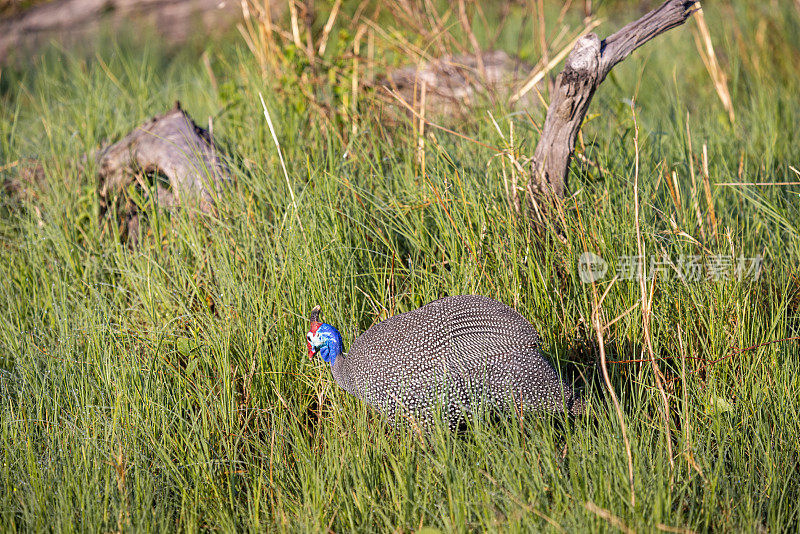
(167, 386)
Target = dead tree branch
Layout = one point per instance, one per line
(586, 67)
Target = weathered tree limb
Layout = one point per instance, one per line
(586, 67)
(169, 145)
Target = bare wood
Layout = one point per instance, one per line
(586, 67)
(75, 21)
(171, 145)
(454, 82)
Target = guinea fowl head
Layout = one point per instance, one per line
(322, 338)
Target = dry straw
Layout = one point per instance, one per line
(702, 38)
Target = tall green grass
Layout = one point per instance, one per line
(166, 386)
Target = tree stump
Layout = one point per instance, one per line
(586, 67)
(170, 147)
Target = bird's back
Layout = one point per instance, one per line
(454, 352)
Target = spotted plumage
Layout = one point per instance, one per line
(459, 354)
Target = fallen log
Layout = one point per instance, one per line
(453, 83)
(170, 146)
(586, 67)
(78, 21)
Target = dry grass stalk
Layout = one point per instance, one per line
(120, 466)
(521, 504)
(597, 311)
(542, 32)
(674, 530)
(295, 26)
(9, 165)
(258, 31)
(538, 75)
(354, 83)
(454, 83)
(514, 176)
(415, 113)
(421, 128)
(693, 191)
(308, 15)
(370, 71)
(676, 189)
(673, 190)
(473, 41)
(685, 423)
(645, 301)
(427, 22)
(326, 31)
(759, 184)
(400, 42)
(608, 516)
(705, 47)
(517, 168)
(451, 53)
(249, 33)
(283, 164)
(268, 41)
(505, 185)
(266, 29)
(207, 65)
(564, 8)
(712, 215)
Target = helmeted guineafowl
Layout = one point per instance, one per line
(459, 353)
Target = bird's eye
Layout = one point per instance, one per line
(308, 337)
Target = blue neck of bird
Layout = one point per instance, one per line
(332, 348)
